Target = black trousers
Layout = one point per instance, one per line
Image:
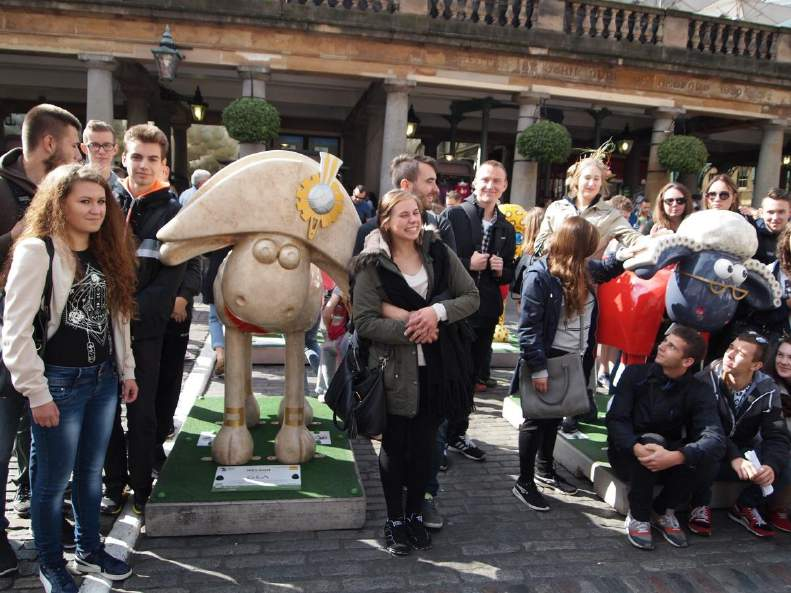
(139, 444)
(536, 446)
(171, 372)
(676, 483)
(481, 360)
(405, 457)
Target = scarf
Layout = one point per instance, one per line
(448, 359)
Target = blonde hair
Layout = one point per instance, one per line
(575, 171)
(533, 219)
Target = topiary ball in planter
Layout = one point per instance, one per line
(249, 119)
(545, 142)
(683, 154)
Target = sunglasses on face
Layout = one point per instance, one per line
(670, 201)
(723, 195)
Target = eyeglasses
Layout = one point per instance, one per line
(717, 288)
(678, 201)
(723, 195)
(96, 147)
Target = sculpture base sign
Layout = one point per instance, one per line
(187, 500)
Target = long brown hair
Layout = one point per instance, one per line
(784, 250)
(660, 216)
(726, 179)
(572, 244)
(113, 250)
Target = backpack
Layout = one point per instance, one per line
(40, 323)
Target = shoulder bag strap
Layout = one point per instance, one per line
(43, 316)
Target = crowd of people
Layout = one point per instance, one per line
(93, 319)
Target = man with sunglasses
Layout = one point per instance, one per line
(748, 403)
(101, 146)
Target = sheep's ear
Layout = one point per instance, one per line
(669, 255)
(760, 293)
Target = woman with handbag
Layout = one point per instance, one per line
(71, 376)
(410, 294)
(557, 338)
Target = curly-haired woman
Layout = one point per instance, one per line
(72, 380)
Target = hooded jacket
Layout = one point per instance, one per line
(157, 284)
(681, 410)
(16, 191)
(767, 243)
(760, 415)
(387, 335)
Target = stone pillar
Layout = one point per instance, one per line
(394, 135)
(136, 109)
(770, 160)
(663, 127)
(524, 178)
(254, 79)
(99, 99)
(631, 168)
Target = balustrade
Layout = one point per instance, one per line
(504, 13)
(634, 25)
(736, 39)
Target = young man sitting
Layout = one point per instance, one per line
(662, 424)
(748, 403)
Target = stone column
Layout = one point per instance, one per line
(524, 179)
(254, 79)
(663, 127)
(770, 160)
(394, 135)
(99, 101)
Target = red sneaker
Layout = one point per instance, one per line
(779, 520)
(699, 521)
(751, 519)
(480, 387)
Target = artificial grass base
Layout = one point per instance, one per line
(184, 503)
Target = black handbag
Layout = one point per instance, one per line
(40, 322)
(356, 394)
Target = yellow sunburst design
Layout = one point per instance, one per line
(320, 197)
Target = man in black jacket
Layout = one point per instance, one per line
(485, 244)
(748, 403)
(149, 206)
(50, 138)
(418, 175)
(775, 212)
(662, 424)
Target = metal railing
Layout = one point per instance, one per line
(387, 6)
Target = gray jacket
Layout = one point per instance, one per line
(387, 335)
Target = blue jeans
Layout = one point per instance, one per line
(86, 398)
(215, 329)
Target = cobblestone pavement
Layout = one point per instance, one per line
(491, 542)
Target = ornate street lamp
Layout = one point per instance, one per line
(198, 106)
(787, 160)
(625, 143)
(412, 122)
(167, 56)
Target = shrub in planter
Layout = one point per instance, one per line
(545, 142)
(249, 119)
(683, 154)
